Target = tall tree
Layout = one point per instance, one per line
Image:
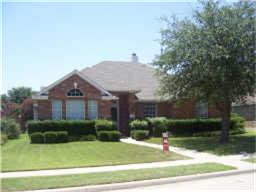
(210, 57)
(19, 94)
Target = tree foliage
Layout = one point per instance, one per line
(19, 94)
(210, 57)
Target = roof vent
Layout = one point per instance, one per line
(135, 58)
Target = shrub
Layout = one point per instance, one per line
(105, 125)
(50, 137)
(114, 135)
(139, 125)
(37, 137)
(4, 138)
(140, 134)
(158, 125)
(190, 127)
(103, 135)
(83, 127)
(62, 137)
(88, 138)
(10, 128)
(74, 138)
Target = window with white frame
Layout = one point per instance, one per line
(92, 109)
(75, 109)
(56, 109)
(202, 110)
(149, 110)
(75, 93)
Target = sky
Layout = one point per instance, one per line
(41, 42)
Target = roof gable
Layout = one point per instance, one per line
(75, 72)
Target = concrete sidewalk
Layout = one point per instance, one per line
(232, 160)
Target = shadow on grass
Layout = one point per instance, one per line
(238, 144)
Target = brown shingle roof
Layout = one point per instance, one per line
(125, 76)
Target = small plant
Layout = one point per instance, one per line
(10, 128)
(140, 134)
(4, 138)
(37, 137)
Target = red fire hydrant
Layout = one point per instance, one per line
(165, 143)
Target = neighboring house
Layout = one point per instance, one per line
(114, 90)
(246, 109)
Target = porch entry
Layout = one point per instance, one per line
(75, 109)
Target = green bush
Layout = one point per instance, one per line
(50, 137)
(140, 134)
(37, 137)
(190, 127)
(103, 135)
(4, 138)
(139, 125)
(105, 125)
(74, 138)
(158, 126)
(83, 127)
(114, 135)
(62, 137)
(10, 128)
(88, 138)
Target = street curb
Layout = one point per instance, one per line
(146, 183)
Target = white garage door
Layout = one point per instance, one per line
(75, 109)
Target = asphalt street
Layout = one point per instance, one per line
(245, 182)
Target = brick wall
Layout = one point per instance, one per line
(60, 92)
(171, 110)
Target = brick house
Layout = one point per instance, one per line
(114, 90)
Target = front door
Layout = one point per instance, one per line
(75, 109)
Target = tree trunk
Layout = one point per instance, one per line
(225, 115)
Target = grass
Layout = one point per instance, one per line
(46, 182)
(20, 155)
(244, 143)
(251, 160)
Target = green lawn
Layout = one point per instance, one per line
(251, 160)
(21, 155)
(238, 143)
(31, 183)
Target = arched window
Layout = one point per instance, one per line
(75, 93)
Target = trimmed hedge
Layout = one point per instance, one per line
(50, 137)
(157, 125)
(37, 137)
(139, 125)
(88, 138)
(109, 135)
(73, 128)
(114, 135)
(140, 134)
(187, 127)
(105, 125)
(62, 137)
